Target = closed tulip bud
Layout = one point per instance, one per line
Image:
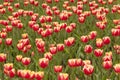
(57, 12)
(19, 58)
(88, 49)
(11, 73)
(31, 23)
(115, 32)
(88, 69)
(48, 18)
(2, 57)
(49, 12)
(40, 44)
(35, 27)
(92, 35)
(107, 64)
(98, 52)
(32, 75)
(87, 62)
(53, 50)
(106, 40)
(99, 42)
(24, 36)
(42, 19)
(17, 5)
(20, 25)
(60, 47)
(8, 41)
(71, 62)
(57, 29)
(33, 18)
(70, 41)
(73, 25)
(26, 61)
(57, 68)
(39, 75)
(84, 39)
(8, 66)
(20, 46)
(3, 35)
(63, 76)
(36, 3)
(9, 28)
(110, 1)
(43, 62)
(81, 19)
(48, 55)
(69, 29)
(117, 68)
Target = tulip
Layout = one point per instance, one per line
(48, 55)
(39, 75)
(19, 57)
(43, 62)
(9, 28)
(99, 42)
(8, 41)
(92, 35)
(98, 52)
(107, 64)
(2, 57)
(70, 41)
(57, 68)
(26, 61)
(117, 68)
(8, 66)
(84, 39)
(88, 69)
(106, 40)
(63, 76)
(60, 47)
(11, 73)
(88, 49)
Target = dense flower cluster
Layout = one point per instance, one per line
(59, 40)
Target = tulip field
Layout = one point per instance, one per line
(59, 39)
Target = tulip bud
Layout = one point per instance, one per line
(99, 43)
(26, 61)
(43, 62)
(63, 76)
(107, 64)
(106, 40)
(88, 69)
(117, 68)
(19, 57)
(8, 41)
(84, 39)
(2, 57)
(88, 49)
(57, 68)
(48, 56)
(98, 52)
